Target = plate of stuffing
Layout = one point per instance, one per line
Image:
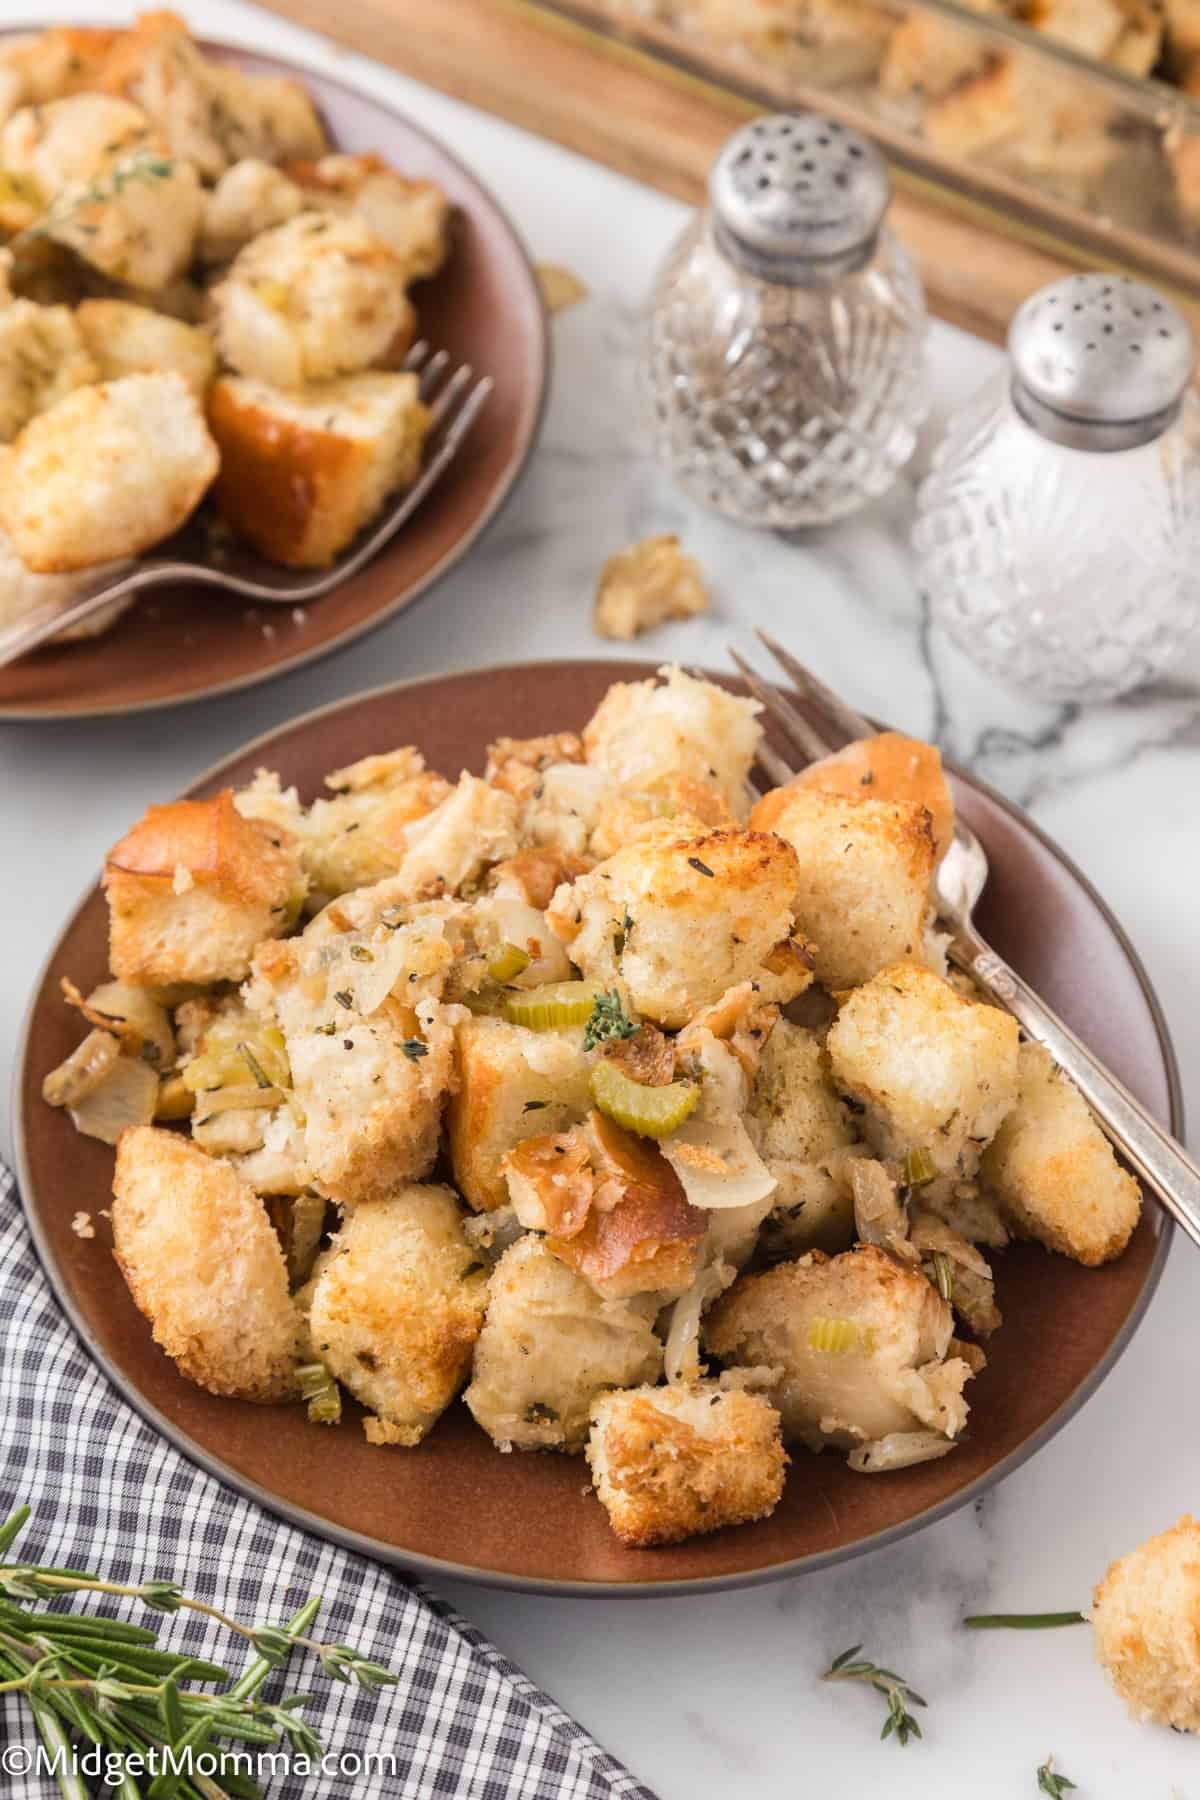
(562, 1160)
(214, 266)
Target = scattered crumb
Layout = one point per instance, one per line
(641, 587)
(182, 879)
(82, 1225)
(560, 288)
(299, 616)
(105, 1213)
(268, 631)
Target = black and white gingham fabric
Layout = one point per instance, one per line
(109, 1494)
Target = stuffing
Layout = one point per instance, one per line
(1054, 1172)
(276, 1165)
(650, 582)
(888, 766)
(204, 1265)
(512, 1084)
(548, 1346)
(677, 919)
(397, 1307)
(518, 764)
(107, 472)
(564, 808)
(43, 355)
(452, 845)
(803, 1131)
(302, 472)
(64, 59)
(1146, 1619)
(240, 886)
(928, 57)
(136, 222)
(411, 217)
(861, 1342)
(69, 142)
(535, 875)
(645, 731)
(251, 197)
(623, 816)
(372, 1095)
(124, 339)
(865, 867)
(314, 298)
(670, 1463)
(957, 1269)
(935, 1072)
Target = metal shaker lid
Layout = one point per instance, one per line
(797, 195)
(1099, 362)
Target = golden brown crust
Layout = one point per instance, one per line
(1146, 1619)
(888, 766)
(212, 841)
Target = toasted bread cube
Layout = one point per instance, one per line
(204, 1265)
(22, 593)
(317, 297)
(650, 582)
(43, 356)
(978, 113)
(1146, 1619)
(411, 217)
(1054, 1171)
(862, 1341)
(252, 196)
(935, 1071)
(678, 919)
(397, 1307)
(802, 1128)
(302, 473)
(124, 339)
(191, 891)
(136, 222)
(926, 56)
(64, 59)
(107, 472)
(887, 766)
(372, 1097)
(512, 1084)
(646, 732)
(670, 1463)
(549, 1344)
(865, 869)
(71, 141)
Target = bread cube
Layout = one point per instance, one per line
(862, 1343)
(935, 1072)
(43, 356)
(302, 473)
(1146, 1622)
(124, 339)
(650, 582)
(191, 891)
(670, 1463)
(886, 766)
(397, 1307)
(802, 1129)
(926, 56)
(411, 217)
(512, 1084)
(644, 732)
(548, 1346)
(64, 59)
(372, 1092)
(1054, 1172)
(109, 471)
(865, 868)
(204, 1265)
(317, 297)
(71, 141)
(252, 196)
(23, 593)
(136, 222)
(676, 919)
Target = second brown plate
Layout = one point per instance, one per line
(455, 1505)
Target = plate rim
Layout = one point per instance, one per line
(425, 1565)
(16, 713)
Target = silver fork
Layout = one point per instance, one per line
(1161, 1162)
(455, 399)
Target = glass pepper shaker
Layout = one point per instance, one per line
(1058, 531)
(785, 338)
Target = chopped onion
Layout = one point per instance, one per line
(682, 1354)
(127, 1096)
(370, 983)
(899, 1450)
(132, 1014)
(83, 1071)
(717, 1164)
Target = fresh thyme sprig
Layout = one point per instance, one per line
(849, 1666)
(105, 1680)
(1050, 1783)
(608, 1020)
(140, 166)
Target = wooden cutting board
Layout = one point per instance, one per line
(660, 125)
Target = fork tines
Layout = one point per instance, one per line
(843, 723)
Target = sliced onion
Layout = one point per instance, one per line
(681, 1358)
(717, 1164)
(83, 1071)
(899, 1450)
(131, 1014)
(248, 1097)
(126, 1097)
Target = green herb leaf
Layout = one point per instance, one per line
(1050, 1783)
(899, 1723)
(413, 1048)
(608, 1020)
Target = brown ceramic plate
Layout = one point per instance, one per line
(454, 1505)
(485, 308)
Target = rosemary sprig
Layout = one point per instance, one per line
(1050, 1783)
(849, 1666)
(1023, 1621)
(107, 1681)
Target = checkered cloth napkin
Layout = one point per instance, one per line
(108, 1494)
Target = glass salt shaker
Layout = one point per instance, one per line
(785, 339)
(1058, 531)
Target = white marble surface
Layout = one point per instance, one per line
(709, 1697)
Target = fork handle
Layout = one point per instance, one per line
(1162, 1163)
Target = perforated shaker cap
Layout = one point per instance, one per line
(1099, 362)
(796, 195)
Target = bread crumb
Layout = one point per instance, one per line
(82, 1225)
(182, 879)
(648, 583)
(560, 289)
